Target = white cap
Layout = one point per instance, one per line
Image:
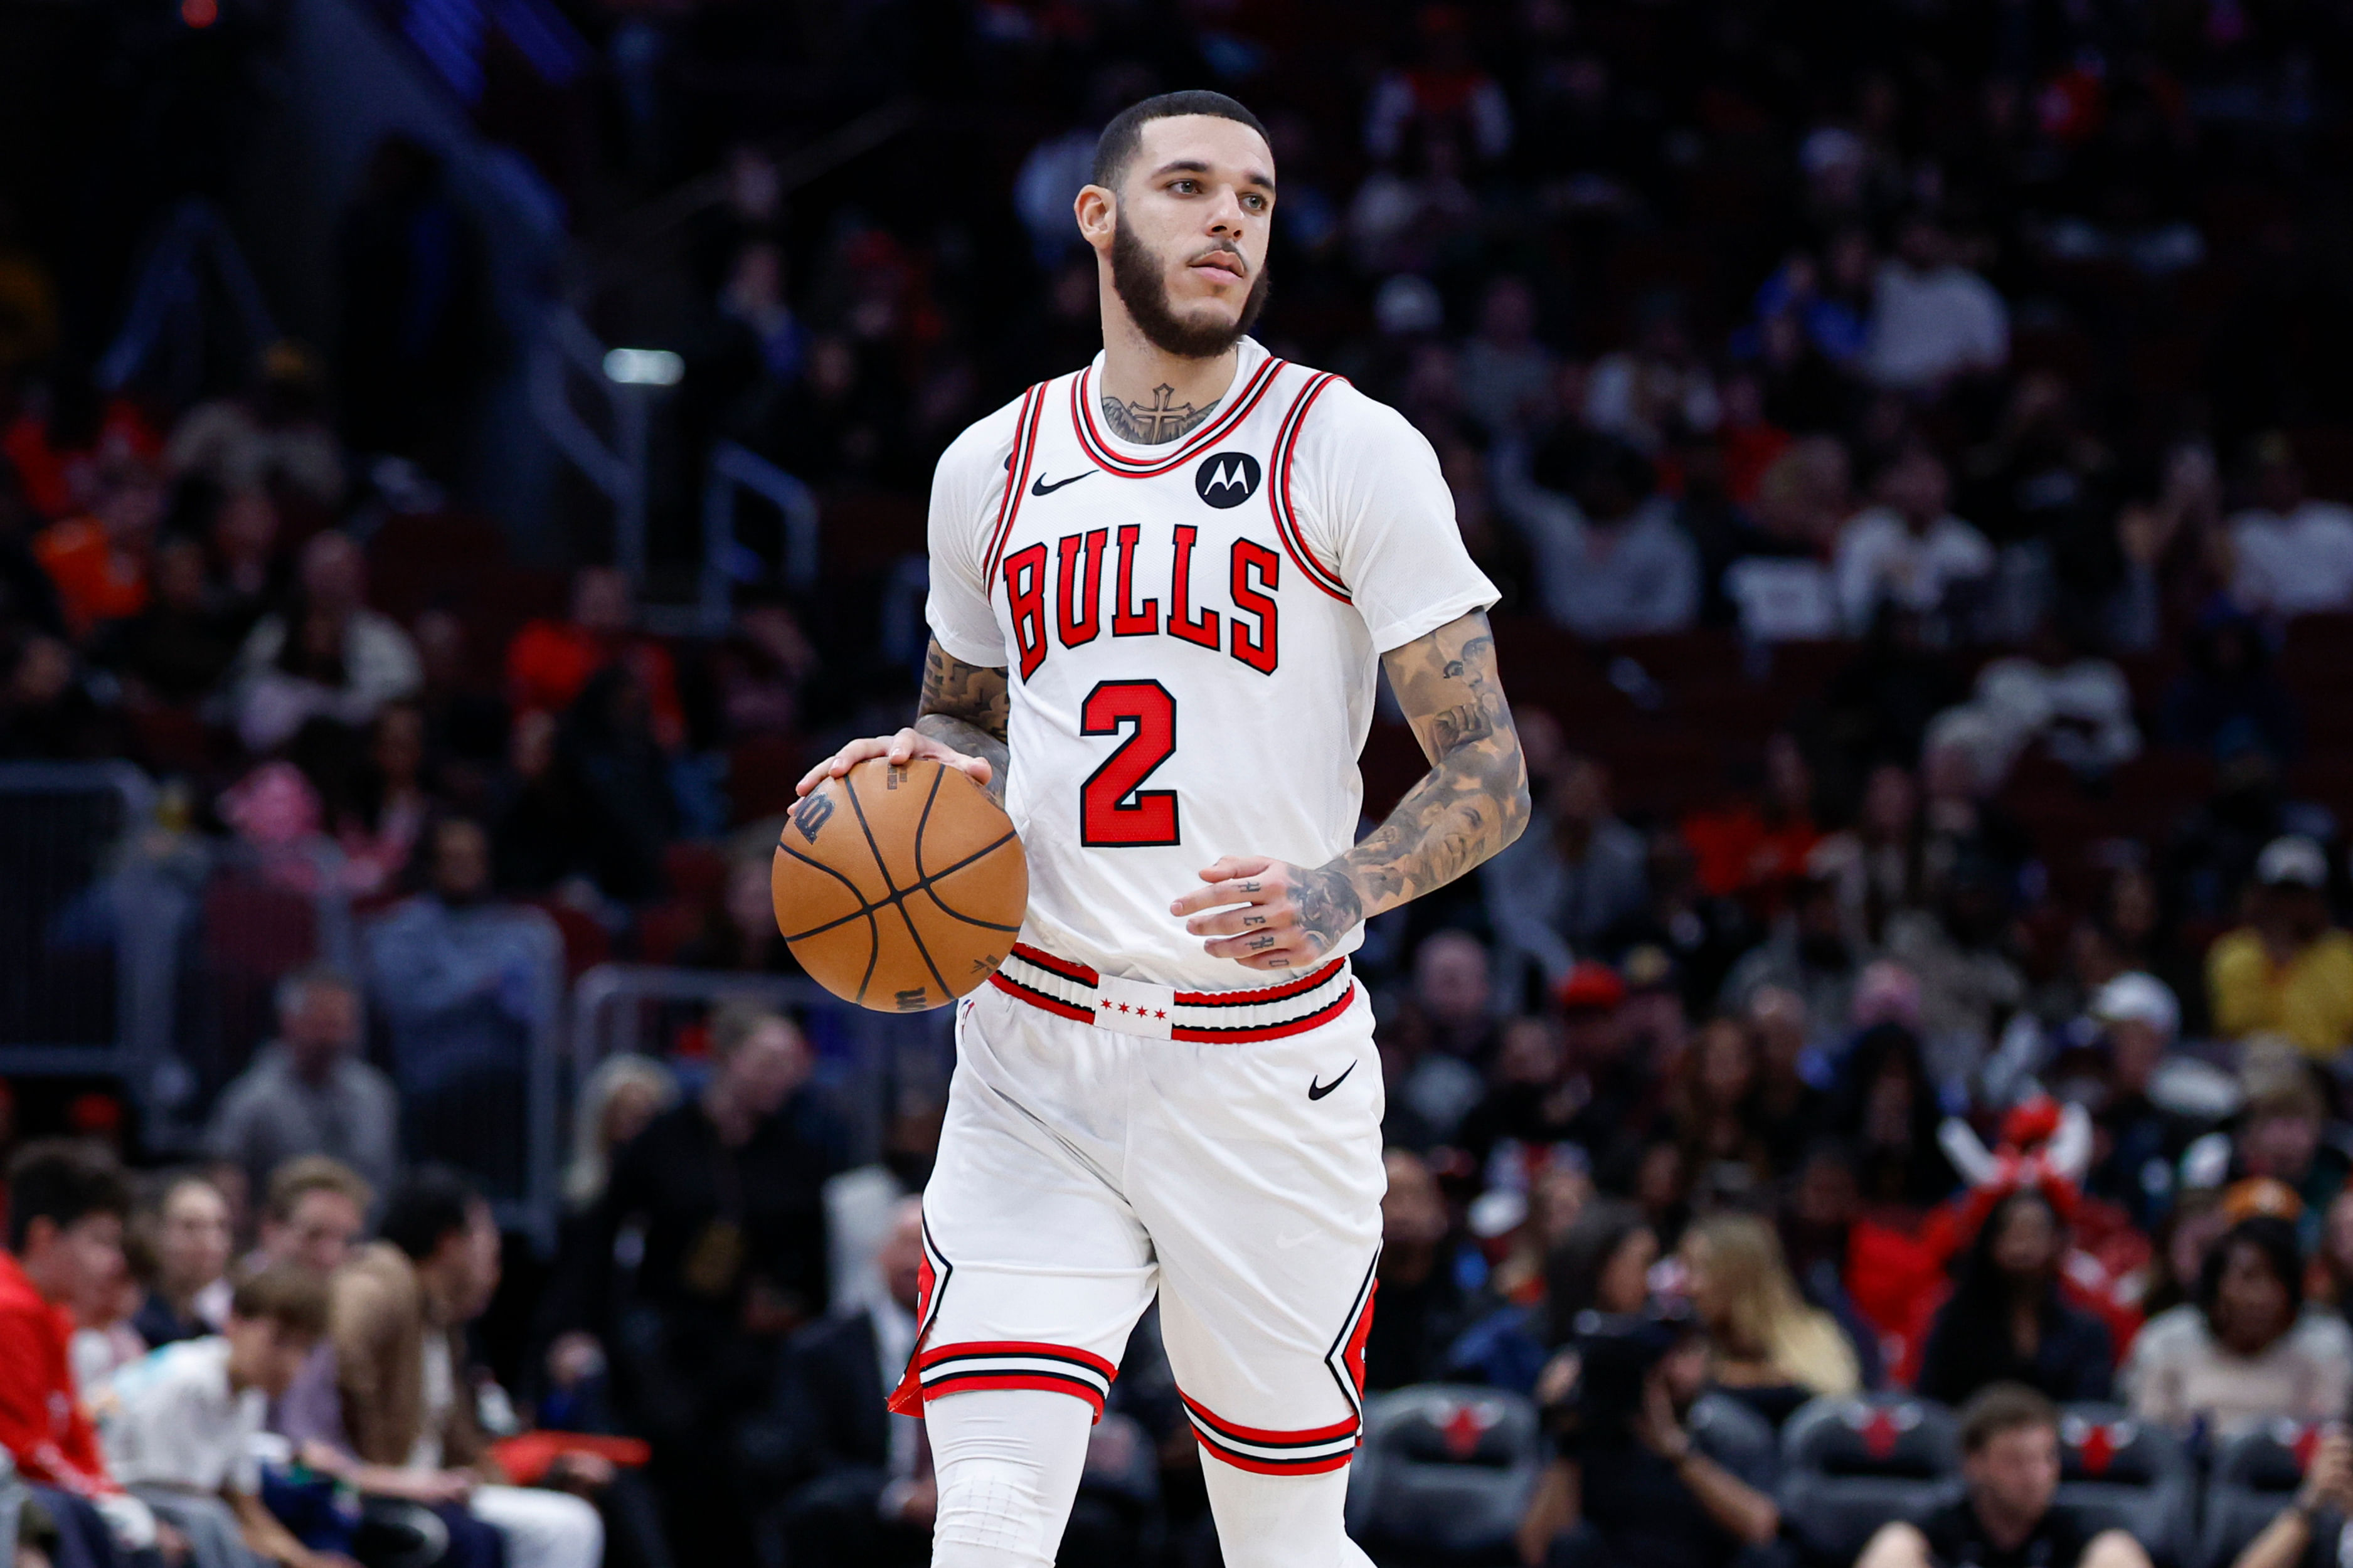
(2291, 857)
(2138, 998)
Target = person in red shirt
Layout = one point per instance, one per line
(67, 1202)
(99, 562)
(550, 662)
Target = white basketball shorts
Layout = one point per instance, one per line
(1106, 1140)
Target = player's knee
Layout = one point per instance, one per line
(1280, 1522)
(2115, 1548)
(1895, 1546)
(1009, 1462)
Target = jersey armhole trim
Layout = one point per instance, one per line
(1017, 479)
(1278, 493)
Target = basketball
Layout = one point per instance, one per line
(899, 889)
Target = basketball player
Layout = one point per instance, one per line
(1159, 588)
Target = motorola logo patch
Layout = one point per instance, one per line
(1226, 479)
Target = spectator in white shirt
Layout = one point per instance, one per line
(1657, 390)
(2293, 555)
(180, 1426)
(1908, 551)
(1931, 318)
(1610, 561)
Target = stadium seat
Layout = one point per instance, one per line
(2254, 1475)
(2117, 1473)
(1851, 1465)
(1733, 1436)
(1444, 1475)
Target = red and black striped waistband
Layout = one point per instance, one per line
(1072, 990)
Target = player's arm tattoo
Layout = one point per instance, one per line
(1472, 802)
(967, 706)
(1151, 423)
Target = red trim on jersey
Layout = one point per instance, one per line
(1267, 1437)
(1043, 1383)
(1039, 999)
(1022, 1347)
(1251, 998)
(1271, 1032)
(1278, 492)
(1214, 1436)
(1016, 473)
(1082, 420)
(1322, 1466)
(937, 1384)
(1064, 967)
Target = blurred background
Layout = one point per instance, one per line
(462, 459)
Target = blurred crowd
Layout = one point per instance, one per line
(1908, 442)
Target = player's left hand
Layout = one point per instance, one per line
(1287, 916)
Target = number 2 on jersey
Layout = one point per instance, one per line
(1113, 813)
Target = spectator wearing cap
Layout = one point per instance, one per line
(2288, 970)
(2246, 1348)
(1578, 871)
(2009, 1514)
(2137, 1019)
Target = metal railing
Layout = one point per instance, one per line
(491, 1113)
(85, 958)
(874, 1062)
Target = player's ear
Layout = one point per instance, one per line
(1097, 209)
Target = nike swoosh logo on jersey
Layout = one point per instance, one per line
(1042, 489)
(1318, 1090)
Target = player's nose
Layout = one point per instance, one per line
(1225, 214)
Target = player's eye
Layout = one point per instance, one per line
(1184, 187)
(1255, 202)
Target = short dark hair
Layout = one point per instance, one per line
(296, 1179)
(2001, 1407)
(424, 1209)
(63, 1180)
(287, 1294)
(1115, 148)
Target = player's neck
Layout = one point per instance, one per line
(1154, 395)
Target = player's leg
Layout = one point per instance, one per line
(1009, 1462)
(1036, 1270)
(1257, 1169)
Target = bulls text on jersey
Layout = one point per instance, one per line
(1233, 608)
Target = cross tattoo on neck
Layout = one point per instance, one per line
(1157, 421)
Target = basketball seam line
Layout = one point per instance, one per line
(924, 880)
(897, 900)
(866, 910)
(924, 887)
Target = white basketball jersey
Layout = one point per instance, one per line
(1191, 632)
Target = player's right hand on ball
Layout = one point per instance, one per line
(901, 749)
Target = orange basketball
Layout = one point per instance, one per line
(899, 889)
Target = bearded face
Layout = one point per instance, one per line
(1141, 278)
